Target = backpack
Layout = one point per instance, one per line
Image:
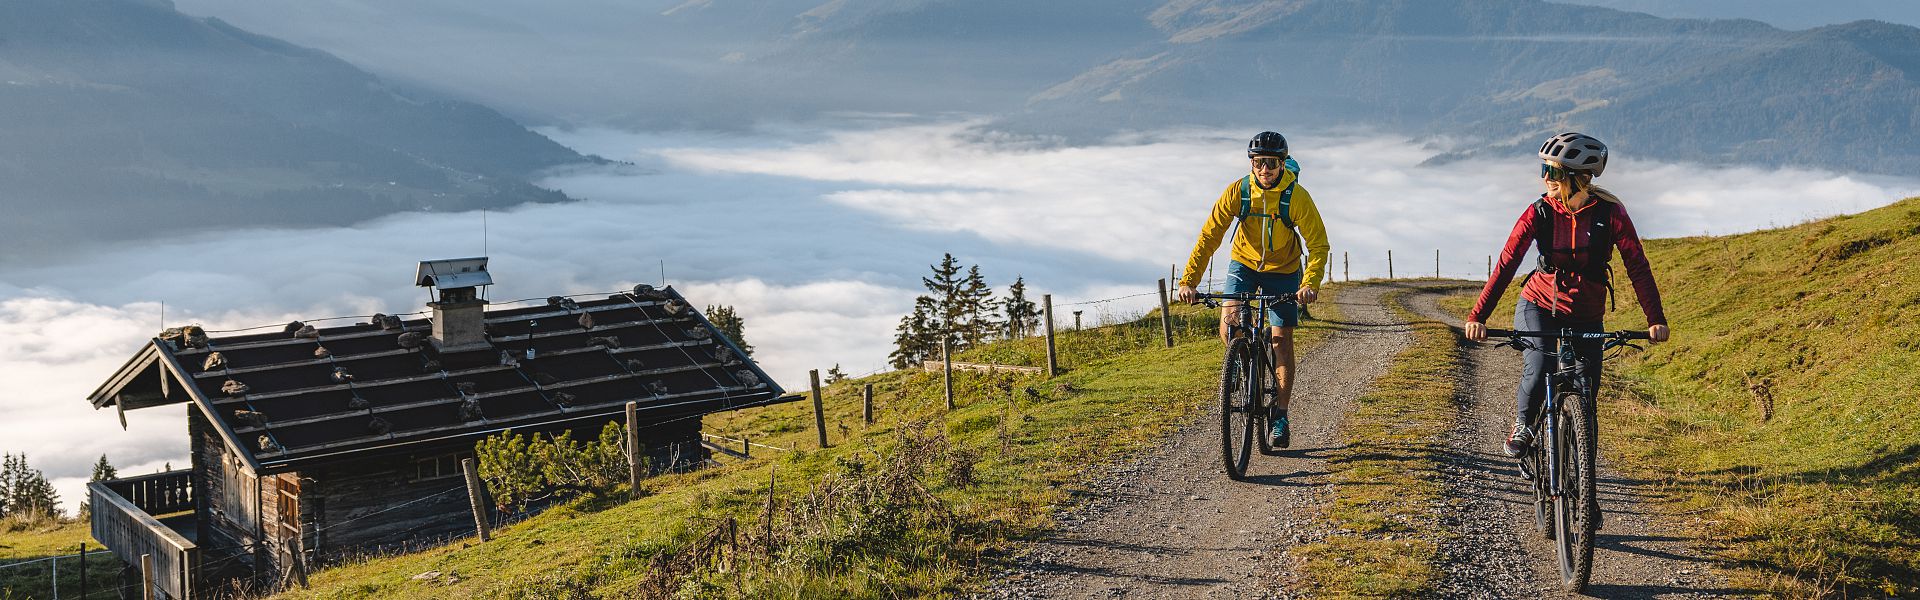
(1598, 238)
(1286, 211)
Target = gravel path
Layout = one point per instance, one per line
(1499, 554)
(1172, 525)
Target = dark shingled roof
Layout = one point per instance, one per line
(280, 400)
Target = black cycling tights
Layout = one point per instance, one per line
(1533, 378)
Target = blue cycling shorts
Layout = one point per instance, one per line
(1242, 278)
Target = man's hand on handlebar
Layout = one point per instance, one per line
(1476, 331)
(1657, 333)
(1307, 295)
(1188, 295)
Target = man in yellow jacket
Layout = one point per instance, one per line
(1270, 205)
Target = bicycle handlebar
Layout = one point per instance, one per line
(1576, 335)
(1208, 298)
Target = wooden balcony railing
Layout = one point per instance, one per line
(159, 493)
(129, 530)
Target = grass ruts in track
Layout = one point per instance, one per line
(1387, 500)
(1170, 524)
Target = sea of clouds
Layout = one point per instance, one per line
(818, 235)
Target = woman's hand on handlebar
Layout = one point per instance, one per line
(1476, 331)
(1188, 295)
(1658, 333)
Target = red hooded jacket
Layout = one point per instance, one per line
(1565, 291)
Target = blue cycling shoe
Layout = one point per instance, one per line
(1281, 437)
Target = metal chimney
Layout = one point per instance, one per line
(459, 311)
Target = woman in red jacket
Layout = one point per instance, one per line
(1575, 227)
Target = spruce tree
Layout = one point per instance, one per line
(916, 335)
(731, 325)
(9, 472)
(1022, 314)
(102, 471)
(29, 496)
(977, 309)
(949, 312)
(835, 375)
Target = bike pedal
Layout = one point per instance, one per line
(1525, 473)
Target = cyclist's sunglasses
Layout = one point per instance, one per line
(1267, 162)
(1554, 172)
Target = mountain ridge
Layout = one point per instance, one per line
(176, 122)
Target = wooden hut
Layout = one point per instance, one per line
(310, 441)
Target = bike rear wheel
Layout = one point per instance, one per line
(1238, 407)
(1576, 507)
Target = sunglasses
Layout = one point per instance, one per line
(1554, 172)
(1267, 162)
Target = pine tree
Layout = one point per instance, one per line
(946, 287)
(9, 472)
(977, 310)
(102, 471)
(29, 496)
(835, 375)
(731, 325)
(917, 334)
(1021, 313)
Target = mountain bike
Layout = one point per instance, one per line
(1561, 461)
(1247, 382)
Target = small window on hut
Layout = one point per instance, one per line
(441, 466)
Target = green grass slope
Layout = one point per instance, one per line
(1783, 412)
(20, 544)
(917, 504)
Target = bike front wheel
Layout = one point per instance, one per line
(1576, 507)
(1238, 407)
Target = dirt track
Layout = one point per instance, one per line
(1499, 555)
(1171, 525)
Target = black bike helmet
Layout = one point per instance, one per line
(1577, 152)
(1267, 143)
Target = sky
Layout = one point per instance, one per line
(817, 234)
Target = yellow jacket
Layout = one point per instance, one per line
(1251, 246)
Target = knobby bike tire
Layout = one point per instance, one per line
(1577, 506)
(1235, 409)
(1542, 498)
(1259, 421)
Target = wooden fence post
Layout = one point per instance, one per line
(1389, 264)
(746, 446)
(474, 495)
(1076, 320)
(1346, 266)
(819, 417)
(83, 569)
(946, 356)
(1436, 263)
(866, 404)
(1489, 267)
(146, 576)
(1166, 316)
(1053, 359)
(635, 472)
